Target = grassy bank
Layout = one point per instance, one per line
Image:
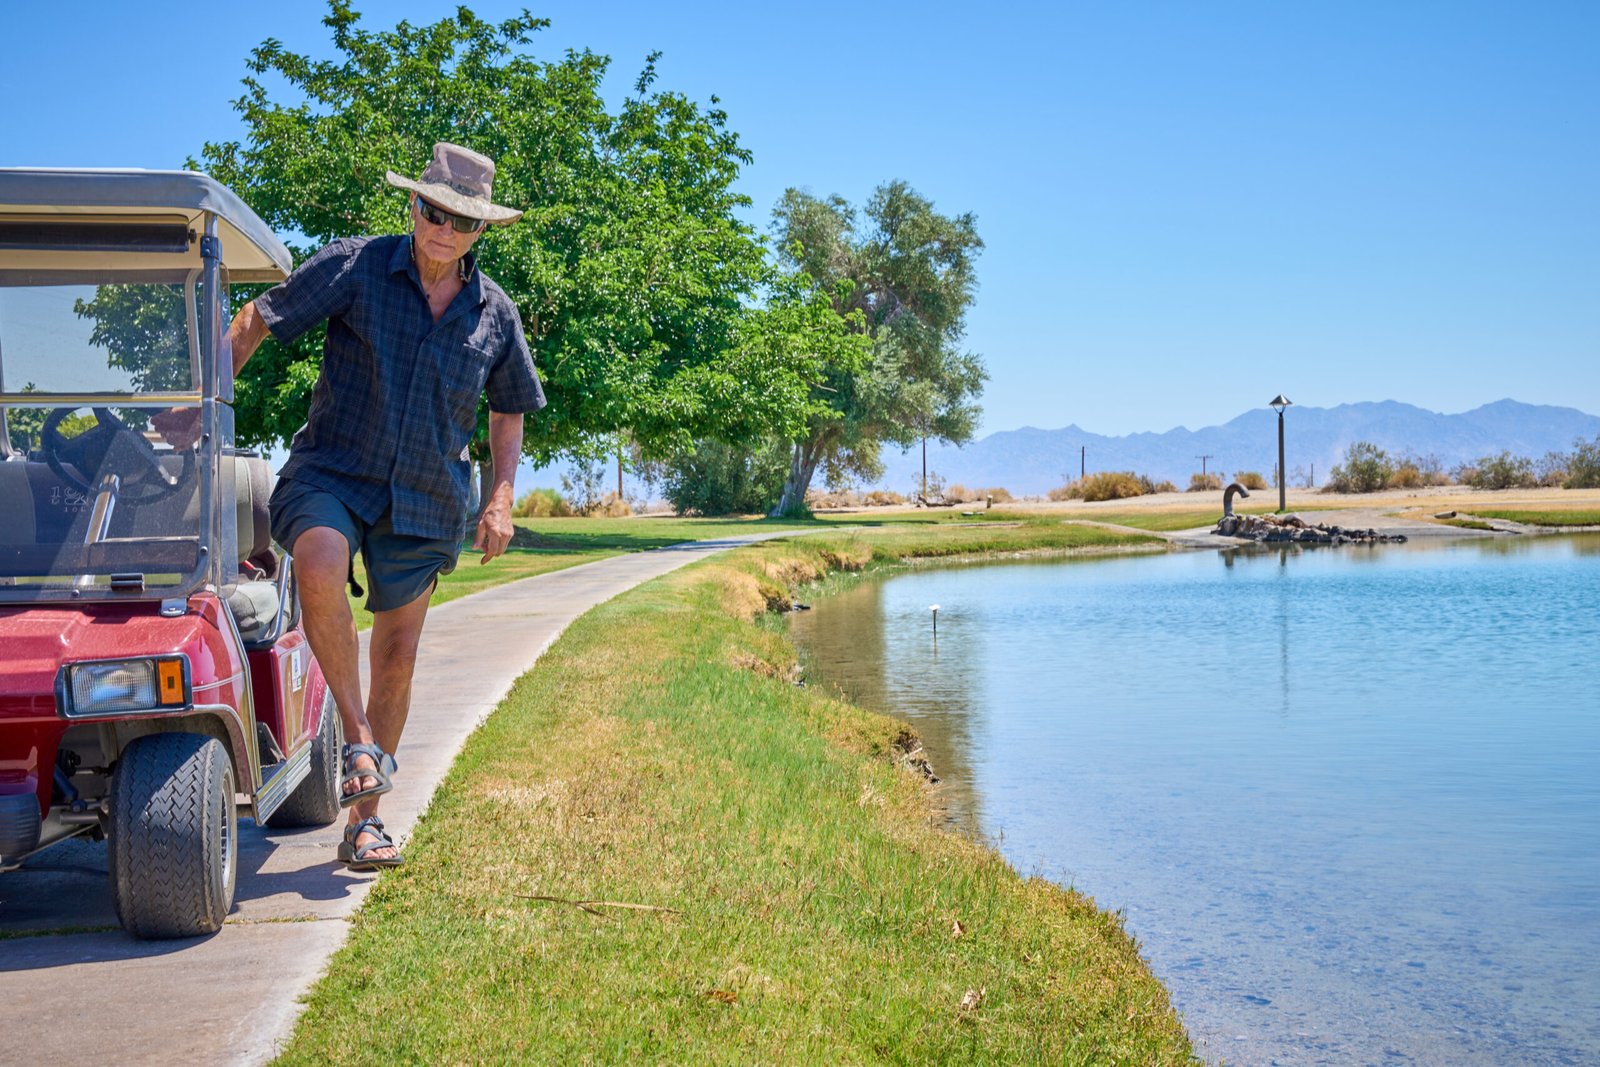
(658, 847)
(544, 545)
(1547, 517)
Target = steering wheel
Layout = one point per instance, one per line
(110, 447)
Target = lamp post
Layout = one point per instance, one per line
(1278, 403)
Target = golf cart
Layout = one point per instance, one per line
(153, 675)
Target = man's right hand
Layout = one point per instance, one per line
(179, 427)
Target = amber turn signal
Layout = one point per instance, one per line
(169, 675)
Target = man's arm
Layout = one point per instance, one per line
(180, 427)
(245, 335)
(505, 451)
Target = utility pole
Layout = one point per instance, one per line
(1083, 451)
(619, 472)
(924, 471)
(1202, 460)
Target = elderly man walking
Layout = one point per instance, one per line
(416, 335)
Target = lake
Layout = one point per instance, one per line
(1348, 799)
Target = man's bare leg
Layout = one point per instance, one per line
(393, 659)
(322, 569)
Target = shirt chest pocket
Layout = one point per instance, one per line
(463, 371)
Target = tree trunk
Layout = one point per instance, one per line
(802, 465)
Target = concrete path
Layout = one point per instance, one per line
(233, 998)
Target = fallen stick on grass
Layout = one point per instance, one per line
(590, 906)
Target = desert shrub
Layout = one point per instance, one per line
(930, 492)
(1430, 467)
(1112, 485)
(1504, 471)
(1366, 469)
(1164, 487)
(714, 478)
(1203, 483)
(882, 498)
(584, 486)
(610, 506)
(832, 498)
(541, 504)
(1405, 476)
(1550, 469)
(1105, 485)
(1583, 465)
(1250, 480)
(960, 494)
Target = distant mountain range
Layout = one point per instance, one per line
(1031, 461)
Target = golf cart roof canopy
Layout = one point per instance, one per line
(136, 220)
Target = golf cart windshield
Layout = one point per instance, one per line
(100, 477)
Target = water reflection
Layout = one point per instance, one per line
(1349, 799)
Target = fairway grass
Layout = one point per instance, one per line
(659, 848)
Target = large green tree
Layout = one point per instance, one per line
(651, 308)
(902, 275)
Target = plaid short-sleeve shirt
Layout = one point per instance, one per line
(397, 400)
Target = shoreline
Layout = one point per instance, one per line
(1001, 779)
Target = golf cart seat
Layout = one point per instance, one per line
(256, 599)
(37, 502)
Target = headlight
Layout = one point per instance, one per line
(129, 685)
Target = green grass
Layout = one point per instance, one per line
(1163, 521)
(1465, 524)
(1544, 518)
(658, 756)
(55, 931)
(544, 545)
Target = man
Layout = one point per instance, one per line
(416, 334)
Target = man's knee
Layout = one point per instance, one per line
(321, 559)
(398, 651)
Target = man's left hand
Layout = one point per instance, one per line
(494, 529)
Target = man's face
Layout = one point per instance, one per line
(442, 243)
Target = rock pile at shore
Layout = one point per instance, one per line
(1275, 528)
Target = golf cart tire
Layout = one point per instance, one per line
(174, 836)
(315, 801)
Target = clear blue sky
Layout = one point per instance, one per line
(1188, 207)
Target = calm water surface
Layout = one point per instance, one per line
(1348, 799)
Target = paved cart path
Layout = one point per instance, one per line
(232, 998)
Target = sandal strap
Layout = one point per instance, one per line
(373, 752)
(370, 825)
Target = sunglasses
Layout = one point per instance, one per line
(438, 217)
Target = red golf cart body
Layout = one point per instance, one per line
(153, 675)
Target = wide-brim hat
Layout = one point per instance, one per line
(460, 181)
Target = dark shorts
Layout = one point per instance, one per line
(399, 568)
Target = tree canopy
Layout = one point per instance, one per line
(902, 274)
(651, 308)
